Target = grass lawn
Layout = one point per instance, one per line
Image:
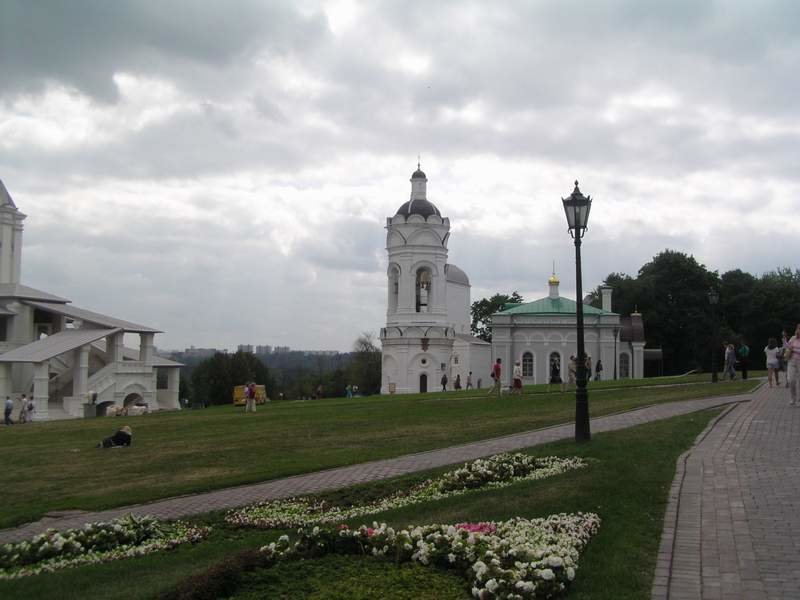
(626, 483)
(54, 466)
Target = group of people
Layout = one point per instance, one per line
(572, 372)
(734, 356)
(250, 397)
(555, 374)
(785, 356)
(26, 413)
(457, 382)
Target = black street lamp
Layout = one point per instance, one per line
(713, 300)
(577, 208)
(616, 335)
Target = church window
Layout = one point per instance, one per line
(455, 359)
(394, 288)
(527, 365)
(424, 291)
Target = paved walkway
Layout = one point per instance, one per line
(185, 506)
(732, 530)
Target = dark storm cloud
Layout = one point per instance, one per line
(84, 42)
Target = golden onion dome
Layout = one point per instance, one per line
(553, 280)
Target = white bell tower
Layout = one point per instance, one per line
(417, 339)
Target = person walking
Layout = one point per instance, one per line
(457, 382)
(555, 373)
(349, 391)
(793, 366)
(469, 381)
(30, 409)
(782, 356)
(743, 353)
(598, 370)
(9, 407)
(23, 410)
(444, 382)
(730, 362)
(517, 376)
(572, 369)
(250, 398)
(773, 364)
(497, 371)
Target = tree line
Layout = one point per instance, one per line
(672, 293)
(211, 381)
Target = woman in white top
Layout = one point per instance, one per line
(793, 365)
(517, 377)
(773, 364)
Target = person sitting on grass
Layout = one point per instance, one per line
(123, 437)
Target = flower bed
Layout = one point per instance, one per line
(491, 473)
(519, 559)
(94, 543)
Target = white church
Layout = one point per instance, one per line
(427, 331)
(70, 360)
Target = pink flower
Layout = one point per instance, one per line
(370, 532)
(487, 528)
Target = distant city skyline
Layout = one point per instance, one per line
(223, 172)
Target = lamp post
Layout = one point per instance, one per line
(576, 207)
(713, 300)
(616, 335)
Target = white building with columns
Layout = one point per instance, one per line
(543, 334)
(427, 331)
(64, 356)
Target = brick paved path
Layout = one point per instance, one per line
(732, 530)
(184, 506)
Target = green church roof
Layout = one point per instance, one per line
(550, 306)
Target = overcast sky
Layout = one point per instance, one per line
(223, 170)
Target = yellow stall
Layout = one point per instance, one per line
(239, 399)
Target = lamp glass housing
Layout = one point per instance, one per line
(576, 208)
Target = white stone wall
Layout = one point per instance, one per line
(458, 300)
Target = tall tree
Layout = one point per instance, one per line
(482, 311)
(673, 298)
(365, 369)
(213, 379)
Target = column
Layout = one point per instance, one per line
(146, 347)
(6, 387)
(16, 253)
(41, 395)
(114, 347)
(173, 387)
(637, 360)
(6, 258)
(80, 372)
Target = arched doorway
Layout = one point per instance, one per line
(423, 383)
(102, 408)
(132, 399)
